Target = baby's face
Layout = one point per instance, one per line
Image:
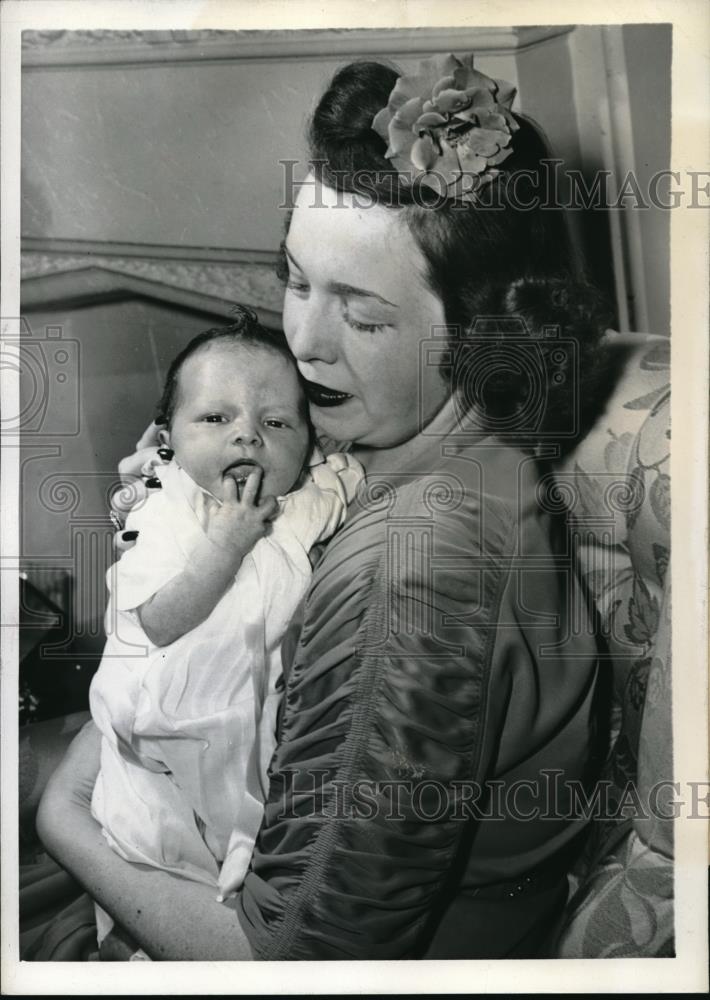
(239, 406)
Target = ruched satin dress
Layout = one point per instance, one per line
(441, 716)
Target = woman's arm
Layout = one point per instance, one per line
(42, 746)
(171, 918)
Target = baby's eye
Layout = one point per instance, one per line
(213, 418)
(273, 422)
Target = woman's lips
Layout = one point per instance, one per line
(321, 395)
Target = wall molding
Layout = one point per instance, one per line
(50, 279)
(110, 48)
(50, 246)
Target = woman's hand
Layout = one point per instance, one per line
(170, 917)
(144, 458)
(134, 470)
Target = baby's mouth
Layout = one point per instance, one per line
(240, 469)
(321, 395)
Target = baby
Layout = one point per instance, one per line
(186, 694)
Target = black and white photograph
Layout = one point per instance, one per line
(338, 497)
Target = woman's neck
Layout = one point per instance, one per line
(446, 424)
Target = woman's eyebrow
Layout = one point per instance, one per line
(341, 288)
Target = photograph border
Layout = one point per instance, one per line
(687, 972)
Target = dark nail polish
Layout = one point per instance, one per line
(153, 483)
(129, 536)
(166, 453)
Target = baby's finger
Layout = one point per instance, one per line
(250, 490)
(269, 507)
(230, 490)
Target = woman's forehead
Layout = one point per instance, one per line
(336, 231)
(324, 207)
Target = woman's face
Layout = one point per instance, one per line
(356, 313)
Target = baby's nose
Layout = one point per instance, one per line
(246, 433)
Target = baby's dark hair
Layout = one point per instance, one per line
(245, 329)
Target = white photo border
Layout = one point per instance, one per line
(687, 972)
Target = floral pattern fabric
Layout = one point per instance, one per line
(622, 889)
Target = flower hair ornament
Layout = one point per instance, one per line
(448, 126)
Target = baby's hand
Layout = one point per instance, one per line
(238, 524)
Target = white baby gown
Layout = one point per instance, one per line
(189, 729)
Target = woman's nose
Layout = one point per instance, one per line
(309, 330)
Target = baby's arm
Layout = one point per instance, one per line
(232, 531)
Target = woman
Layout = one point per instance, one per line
(439, 682)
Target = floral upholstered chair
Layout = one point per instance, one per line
(617, 482)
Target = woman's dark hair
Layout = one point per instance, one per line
(479, 255)
(246, 330)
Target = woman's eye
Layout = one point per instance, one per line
(297, 285)
(361, 327)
